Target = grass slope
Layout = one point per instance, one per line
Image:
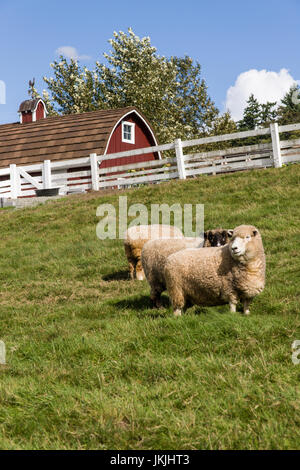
(90, 365)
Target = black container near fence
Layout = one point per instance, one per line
(47, 192)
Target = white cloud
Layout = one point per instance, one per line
(265, 86)
(71, 53)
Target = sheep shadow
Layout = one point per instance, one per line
(117, 276)
(198, 310)
(143, 302)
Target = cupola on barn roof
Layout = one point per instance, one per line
(32, 110)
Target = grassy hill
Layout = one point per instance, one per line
(91, 366)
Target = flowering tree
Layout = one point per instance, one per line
(170, 92)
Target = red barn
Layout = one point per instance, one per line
(37, 137)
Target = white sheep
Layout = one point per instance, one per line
(156, 252)
(217, 276)
(136, 237)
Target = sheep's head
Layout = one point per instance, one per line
(245, 243)
(218, 237)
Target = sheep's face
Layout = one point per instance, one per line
(217, 237)
(243, 244)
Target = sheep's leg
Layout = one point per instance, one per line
(232, 306)
(178, 303)
(246, 309)
(156, 302)
(131, 269)
(139, 271)
(155, 296)
(176, 293)
(131, 261)
(177, 312)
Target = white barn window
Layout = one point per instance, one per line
(128, 132)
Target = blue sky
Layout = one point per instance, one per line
(228, 38)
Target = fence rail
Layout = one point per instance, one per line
(89, 172)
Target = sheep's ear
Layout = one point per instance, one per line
(229, 233)
(210, 235)
(224, 233)
(205, 235)
(255, 233)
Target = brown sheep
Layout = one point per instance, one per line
(135, 239)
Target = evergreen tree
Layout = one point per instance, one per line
(251, 116)
(257, 115)
(268, 113)
(289, 109)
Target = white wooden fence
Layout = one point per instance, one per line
(86, 173)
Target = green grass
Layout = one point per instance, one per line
(91, 366)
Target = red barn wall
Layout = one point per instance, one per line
(40, 111)
(27, 117)
(143, 138)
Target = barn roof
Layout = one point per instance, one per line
(59, 137)
(28, 105)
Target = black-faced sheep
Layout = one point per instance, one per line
(217, 237)
(156, 252)
(135, 239)
(217, 276)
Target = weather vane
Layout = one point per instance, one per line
(31, 85)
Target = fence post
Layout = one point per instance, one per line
(15, 184)
(180, 159)
(94, 171)
(277, 160)
(46, 174)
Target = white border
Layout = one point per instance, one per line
(132, 125)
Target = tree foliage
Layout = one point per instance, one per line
(289, 109)
(169, 91)
(257, 115)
